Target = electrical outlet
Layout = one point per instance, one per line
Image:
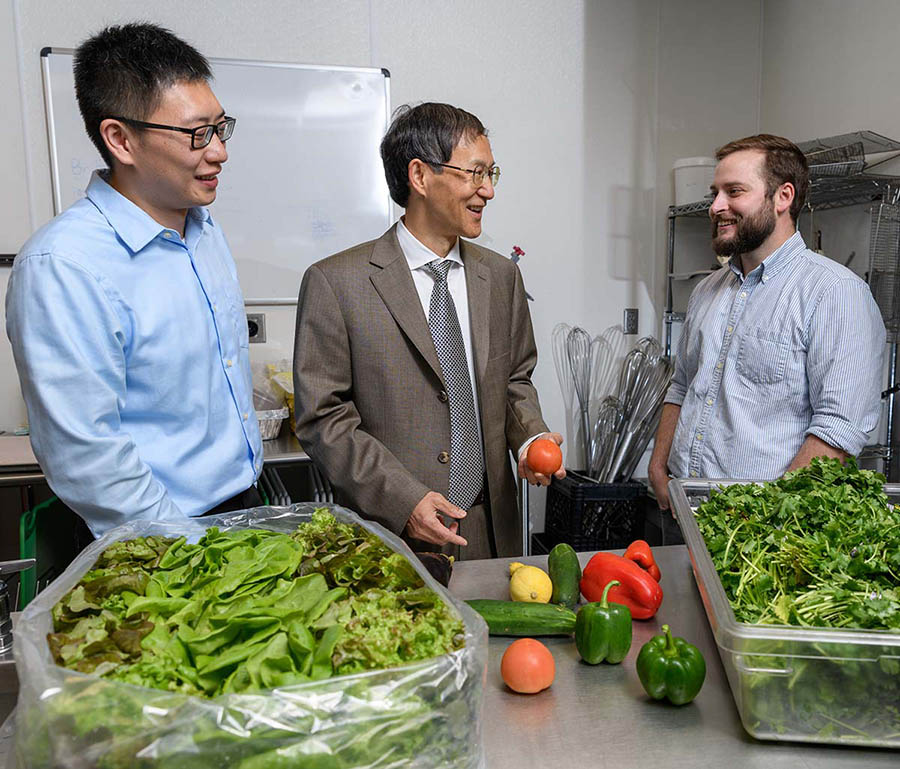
(631, 320)
(256, 326)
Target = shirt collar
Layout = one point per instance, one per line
(132, 224)
(775, 262)
(417, 253)
(782, 256)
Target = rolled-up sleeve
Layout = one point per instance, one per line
(846, 340)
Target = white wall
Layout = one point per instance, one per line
(588, 102)
(836, 77)
(827, 67)
(15, 224)
(709, 82)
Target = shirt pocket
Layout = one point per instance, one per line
(762, 357)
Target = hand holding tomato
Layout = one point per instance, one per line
(542, 459)
(544, 456)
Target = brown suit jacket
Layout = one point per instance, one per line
(371, 407)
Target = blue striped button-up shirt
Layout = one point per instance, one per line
(793, 349)
(131, 347)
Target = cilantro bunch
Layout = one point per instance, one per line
(818, 547)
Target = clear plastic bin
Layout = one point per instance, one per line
(794, 683)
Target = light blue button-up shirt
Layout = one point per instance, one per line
(132, 352)
(793, 349)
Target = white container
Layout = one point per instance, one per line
(693, 176)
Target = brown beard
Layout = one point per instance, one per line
(751, 232)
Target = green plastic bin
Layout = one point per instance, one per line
(28, 549)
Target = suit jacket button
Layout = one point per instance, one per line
(443, 397)
(443, 457)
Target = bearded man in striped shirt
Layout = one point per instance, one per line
(780, 355)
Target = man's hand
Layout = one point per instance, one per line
(538, 478)
(425, 523)
(658, 469)
(658, 476)
(813, 446)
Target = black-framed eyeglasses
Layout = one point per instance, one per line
(478, 174)
(201, 136)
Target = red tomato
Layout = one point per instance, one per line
(527, 666)
(544, 456)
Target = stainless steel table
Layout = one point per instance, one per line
(599, 717)
(284, 449)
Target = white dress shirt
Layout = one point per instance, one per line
(418, 256)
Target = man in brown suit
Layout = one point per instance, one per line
(391, 334)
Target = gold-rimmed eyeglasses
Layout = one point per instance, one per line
(478, 174)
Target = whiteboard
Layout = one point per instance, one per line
(303, 179)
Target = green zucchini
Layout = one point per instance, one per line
(565, 574)
(517, 618)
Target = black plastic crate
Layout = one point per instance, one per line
(594, 516)
(660, 528)
(540, 544)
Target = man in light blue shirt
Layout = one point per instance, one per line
(124, 312)
(780, 356)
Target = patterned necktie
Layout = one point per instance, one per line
(466, 462)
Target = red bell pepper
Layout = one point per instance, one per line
(636, 589)
(639, 552)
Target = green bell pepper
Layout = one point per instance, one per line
(603, 630)
(671, 667)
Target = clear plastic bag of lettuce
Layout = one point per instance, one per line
(268, 698)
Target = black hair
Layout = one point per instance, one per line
(123, 71)
(429, 132)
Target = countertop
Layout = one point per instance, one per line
(16, 456)
(16, 453)
(18, 466)
(285, 448)
(599, 717)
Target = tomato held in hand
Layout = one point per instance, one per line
(527, 666)
(544, 456)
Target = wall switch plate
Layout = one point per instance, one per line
(631, 320)
(256, 326)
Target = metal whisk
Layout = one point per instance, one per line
(578, 348)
